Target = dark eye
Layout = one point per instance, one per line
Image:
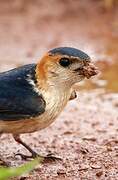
(64, 62)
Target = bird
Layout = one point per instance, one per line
(33, 95)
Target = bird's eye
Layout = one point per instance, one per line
(64, 62)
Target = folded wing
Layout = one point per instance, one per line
(18, 98)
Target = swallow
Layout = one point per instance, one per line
(33, 95)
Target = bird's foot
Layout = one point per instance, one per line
(49, 158)
(25, 157)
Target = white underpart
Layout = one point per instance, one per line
(56, 99)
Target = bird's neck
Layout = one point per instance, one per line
(55, 90)
(48, 83)
(56, 99)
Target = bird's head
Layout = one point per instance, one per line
(64, 65)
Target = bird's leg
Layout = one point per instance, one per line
(73, 95)
(33, 155)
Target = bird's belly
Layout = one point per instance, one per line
(27, 125)
(33, 124)
(24, 126)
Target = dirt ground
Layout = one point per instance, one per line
(85, 135)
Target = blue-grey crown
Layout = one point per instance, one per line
(70, 52)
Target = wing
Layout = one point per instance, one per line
(18, 99)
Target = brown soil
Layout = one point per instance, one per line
(86, 133)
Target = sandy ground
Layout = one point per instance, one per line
(85, 136)
(86, 133)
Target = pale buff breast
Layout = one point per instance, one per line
(55, 102)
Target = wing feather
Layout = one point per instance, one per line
(18, 99)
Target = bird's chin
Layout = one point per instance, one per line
(81, 77)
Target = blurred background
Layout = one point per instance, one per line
(85, 135)
(28, 28)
